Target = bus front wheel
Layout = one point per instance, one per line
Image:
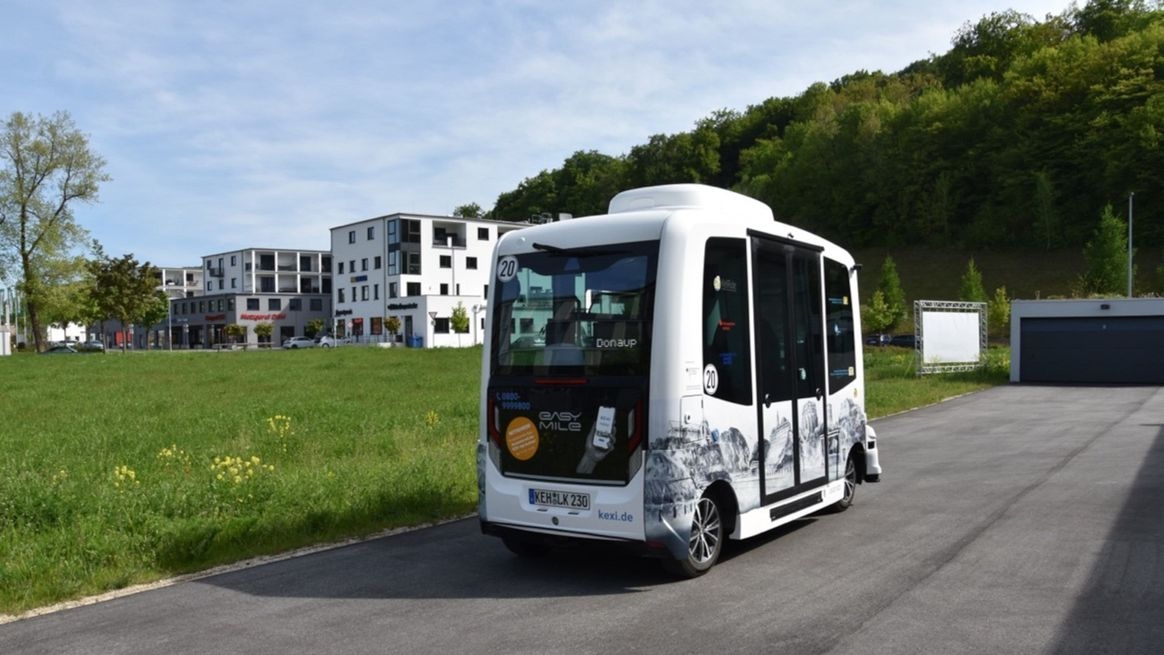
(705, 543)
(846, 500)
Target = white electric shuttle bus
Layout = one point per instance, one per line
(679, 371)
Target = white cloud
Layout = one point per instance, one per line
(255, 123)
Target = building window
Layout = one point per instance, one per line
(394, 262)
(252, 304)
(341, 268)
(444, 289)
(393, 289)
(411, 231)
(364, 292)
(471, 263)
(234, 260)
(486, 294)
(316, 304)
(305, 263)
(414, 288)
(446, 261)
(274, 304)
(210, 285)
(441, 325)
(412, 263)
(354, 296)
(341, 295)
(230, 304)
(371, 232)
(201, 306)
(482, 234)
(351, 266)
(364, 264)
(351, 236)
(375, 292)
(295, 304)
(326, 266)
(377, 262)
(234, 283)
(393, 237)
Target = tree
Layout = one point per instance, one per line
(392, 324)
(234, 332)
(1107, 257)
(314, 327)
(890, 288)
(876, 315)
(46, 168)
(66, 297)
(156, 309)
(470, 210)
(263, 331)
(126, 291)
(972, 290)
(998, 313)
(460, 319)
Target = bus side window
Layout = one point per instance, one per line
(841, 339)
(726, 339)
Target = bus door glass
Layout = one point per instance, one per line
(809, 354)
(789, 367)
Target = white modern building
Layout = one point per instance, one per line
(418, 269)
(286, 288)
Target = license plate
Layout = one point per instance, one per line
(567, 499)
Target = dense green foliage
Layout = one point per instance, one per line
(1015, 137)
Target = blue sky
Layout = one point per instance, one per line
(254, 123)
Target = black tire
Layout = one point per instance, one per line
(524, 548)
(846, 500)
(705, 543)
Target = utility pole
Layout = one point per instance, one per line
(1131, 195)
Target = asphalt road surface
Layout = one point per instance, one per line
(1021, 519)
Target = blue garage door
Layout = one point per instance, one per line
(1114, 350)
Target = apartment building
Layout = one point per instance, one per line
(417, 268)
(249, 287)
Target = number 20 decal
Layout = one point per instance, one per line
(507, 268)
(710, 379)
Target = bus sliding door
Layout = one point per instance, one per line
(790, 367)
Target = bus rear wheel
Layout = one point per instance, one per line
(706, 541)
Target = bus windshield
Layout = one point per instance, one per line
(575, 311)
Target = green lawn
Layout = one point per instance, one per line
(125, 468)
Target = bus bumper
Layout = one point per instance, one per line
(872, 456)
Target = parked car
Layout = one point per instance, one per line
(904, 341)
(92, 345)
(60, 350)
(327, 341)
(878, 340)
(299, 342)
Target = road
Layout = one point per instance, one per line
(1022, 519)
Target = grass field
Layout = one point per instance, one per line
(121, 469)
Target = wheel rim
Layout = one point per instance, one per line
(850, 480)
(705, 532)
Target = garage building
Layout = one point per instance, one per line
(1096, 341)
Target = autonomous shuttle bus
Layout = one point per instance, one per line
(681, 370)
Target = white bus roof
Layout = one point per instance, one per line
(688, 196)
(640, 214)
